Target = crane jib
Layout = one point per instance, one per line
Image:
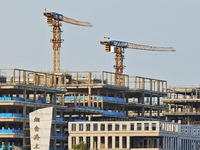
(119, 44)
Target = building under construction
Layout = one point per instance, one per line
(92, 96)
(75, 96)
(183, 105)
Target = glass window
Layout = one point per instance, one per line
(87, 127)
(80, 139)
(109, 142)
(95, 126)
(116, 127)
(102, 127)
(139, 126)
(124, 142)
(109, 127)
(73, 127)
(132, 126)
(146, 126)
(73, 141)
(153, 126)
(117, 142)
(124, 127)
(80, 127)
(88, 141)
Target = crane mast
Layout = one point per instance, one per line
(56, 40)
(54, 19)
(118, 48)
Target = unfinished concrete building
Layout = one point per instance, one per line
(102, 100)
(75, 96)
(133, 97)
(183, 105)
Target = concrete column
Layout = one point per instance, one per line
(142, 98)
(128, 142)
(24, 114)
(106, 142)
(120, 142)
(113, 142)
(84, 139)
(91, 142)
(24, 94)
(69, 142)
(45, 96)
(99, 142)
(89, 96)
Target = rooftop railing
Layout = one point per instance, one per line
(137, 82)
(70, 78)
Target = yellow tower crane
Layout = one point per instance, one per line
(54, 19)
(118, 48)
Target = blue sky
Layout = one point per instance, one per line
(25, 36)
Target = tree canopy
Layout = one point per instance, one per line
(80, 146)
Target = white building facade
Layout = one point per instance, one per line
(134, 135)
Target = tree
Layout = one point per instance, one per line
(80, 146)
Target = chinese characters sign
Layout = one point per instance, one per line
(40, 127)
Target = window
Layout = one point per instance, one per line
(123, 142)
(73, 127)
(102, 127)
(186, 130)
(80, 139)
(102, 142)
(73, 141)
(110, 142)
(139, 126)
(198, 132)
(116, 127)
(124, 127)
(87, 127)
(132, 126)
(80, 127)
(95, 127)
(88, 141)
(109, 127)
(117, 142)
(154, 126)
(146, 126)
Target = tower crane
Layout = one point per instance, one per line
(54, 19)
(118, 48)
